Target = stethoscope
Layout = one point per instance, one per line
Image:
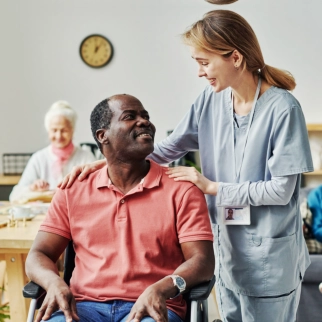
(247, 131)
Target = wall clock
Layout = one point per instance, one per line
(96, 51)
(221, 1)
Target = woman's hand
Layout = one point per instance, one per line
(80, 172)
(39, 185)
(193, 175)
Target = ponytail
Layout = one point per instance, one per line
(278, 78)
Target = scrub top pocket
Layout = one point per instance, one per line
(273, 265)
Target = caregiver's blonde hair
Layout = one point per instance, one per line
(223, 31)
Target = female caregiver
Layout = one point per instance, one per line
(47, 167)
(252, 138)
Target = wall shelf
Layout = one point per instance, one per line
(314, 173)
(314, 127)
(8, 180)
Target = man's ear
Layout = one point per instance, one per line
(102, 136)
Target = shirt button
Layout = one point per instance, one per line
(122, 201)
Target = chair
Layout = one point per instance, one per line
(93, 148)
(310, 309)
(196, 297)
(13, 164)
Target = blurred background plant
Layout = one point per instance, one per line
(188, 160)
(192, 164)
(4, 309)
(4, 312)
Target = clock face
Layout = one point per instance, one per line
(96, 51)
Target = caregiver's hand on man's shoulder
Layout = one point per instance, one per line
(193, 175)
(80, 172)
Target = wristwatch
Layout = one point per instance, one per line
(179, 282)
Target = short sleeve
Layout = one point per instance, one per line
(193, 221)
(57, 219)
(291, 152)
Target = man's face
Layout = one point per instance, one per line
(131, 134)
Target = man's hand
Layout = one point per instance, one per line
(39, 185)
(81, 172)
(42, 269)
(60, 297)
(150, 303)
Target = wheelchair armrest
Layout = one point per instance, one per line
(201, 291)
(33, 291)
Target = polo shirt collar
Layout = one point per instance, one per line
(152, 179)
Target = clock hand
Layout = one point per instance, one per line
(98, 47)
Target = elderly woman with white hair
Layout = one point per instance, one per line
(48, 166)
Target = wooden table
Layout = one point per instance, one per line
(15, 243)
(9, 180)
(6, 185)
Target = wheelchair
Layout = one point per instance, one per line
(93, 148)
(196, 298)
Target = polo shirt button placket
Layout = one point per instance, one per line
(122, 211)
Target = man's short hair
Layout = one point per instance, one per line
(101, 119)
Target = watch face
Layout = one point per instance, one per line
(96, 51)
(180, 282)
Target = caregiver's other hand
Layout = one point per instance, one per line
(80, 172)
(193, 175)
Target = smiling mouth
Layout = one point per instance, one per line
(145, 135)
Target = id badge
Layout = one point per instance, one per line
(236, 215)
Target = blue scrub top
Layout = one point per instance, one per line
(268, 257)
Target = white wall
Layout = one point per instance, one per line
(40, 63)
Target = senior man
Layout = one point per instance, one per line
(140, 238)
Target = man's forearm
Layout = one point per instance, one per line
(41, 270)
(193, 272)
(41, 260)
(196, 270)
(199, 267)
